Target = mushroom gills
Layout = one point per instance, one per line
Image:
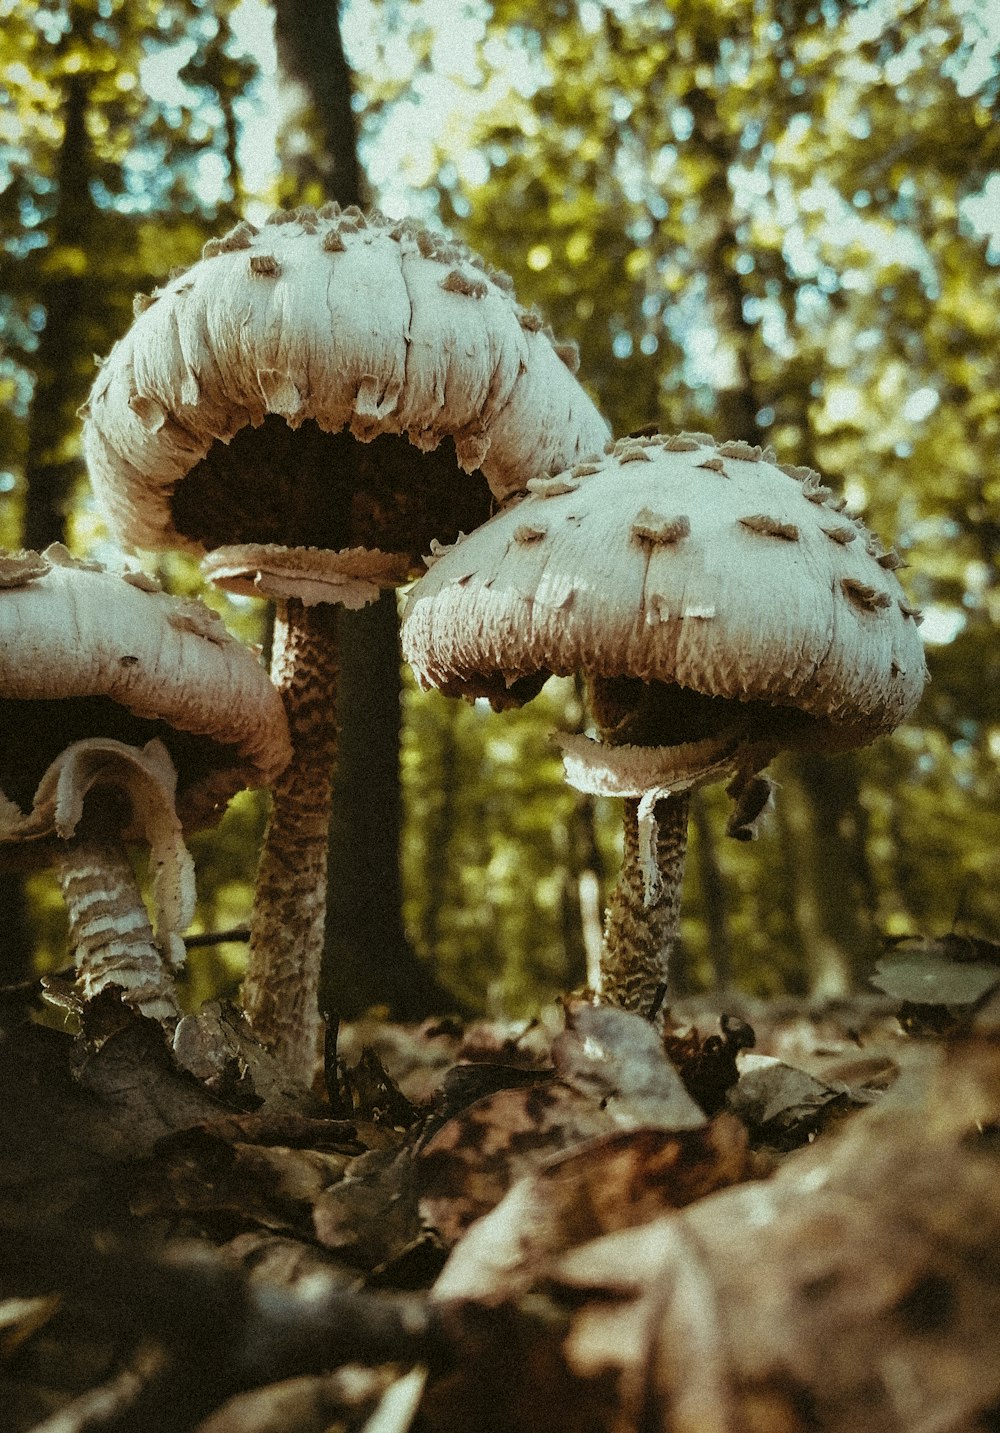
(36, 731)
(308, 488)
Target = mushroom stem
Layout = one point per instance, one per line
(281, 988)
(643, 916)
(112, 938)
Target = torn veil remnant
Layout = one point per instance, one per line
(718, 616)
(314, 404)
(127, 714)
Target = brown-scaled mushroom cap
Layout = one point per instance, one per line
(87, 653)
(227, 414)
(735, 583)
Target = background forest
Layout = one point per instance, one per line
(774, 220)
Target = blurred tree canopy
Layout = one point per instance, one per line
(775, 221)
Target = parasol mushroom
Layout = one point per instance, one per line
(313, 404)
(126, 713)
(721, 607)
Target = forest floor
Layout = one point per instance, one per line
(773, 1218)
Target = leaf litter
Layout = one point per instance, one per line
(761, 1220)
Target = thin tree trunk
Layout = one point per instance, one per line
(714, 901)
(842, 890)
(47, 475)
(311, 52)
(438, 831)
(368, 959)
(581, 897)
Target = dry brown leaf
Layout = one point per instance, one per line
(273, 1186)
(616, 1181)
(371, 1218)
(858, 1289)
(468, 1165)
(617, 1058)
(312, 1404)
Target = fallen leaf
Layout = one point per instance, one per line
(784, 1107)
(468, 1165)
(617, 1058)
(616, 1181)
(953, 971)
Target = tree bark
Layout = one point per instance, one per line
(368, 959)
(311, 52)
(714, 901)
(841, 890)
(48, 476)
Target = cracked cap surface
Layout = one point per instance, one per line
(235, 409)
(705, 567)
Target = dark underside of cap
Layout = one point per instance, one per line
(303, 487)
(35, 732)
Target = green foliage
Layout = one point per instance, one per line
(489, 860)
(102, 191)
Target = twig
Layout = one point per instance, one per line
(217, 937)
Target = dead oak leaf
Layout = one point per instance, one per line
(468, 1165)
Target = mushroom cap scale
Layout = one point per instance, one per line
(90, 653)
(375, 336)
(719, 580)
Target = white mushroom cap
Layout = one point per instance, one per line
(346, 324)
(710, 569)
(93, 654)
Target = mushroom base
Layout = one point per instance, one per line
(303, 487)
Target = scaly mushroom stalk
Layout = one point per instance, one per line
(643, 917)
(281, 988)
(110, 932)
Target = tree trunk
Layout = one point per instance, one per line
(438, 828)
(368, 959)
(714, 902)
(581, 897)
(311, 52)
(48, 476)
(841, 888)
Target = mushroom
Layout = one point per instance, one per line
(126, 713)
(313, 404)
(721, 608)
